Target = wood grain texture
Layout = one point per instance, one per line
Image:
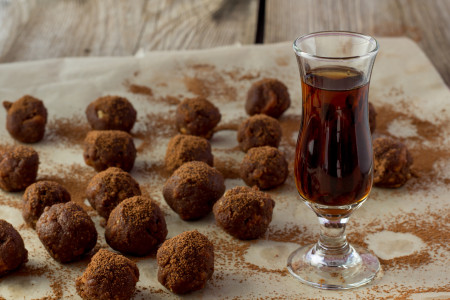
(426, 22)
(37, 29)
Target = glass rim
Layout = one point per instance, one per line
(368, 38)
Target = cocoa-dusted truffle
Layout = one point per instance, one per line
(267, 96)
(136, 226)
(110, 148)
(26, 119)
(197, 116)
(392, 162)
(18, 167)
(110, 187)
(185, 262)
(108, 276)
(111, 113)
(38, 196)
(257, 131)
(265, 167)
(193, 189)
(66, 231)
(183, 148)
(244, 213)
(12, 249)
(372, 118)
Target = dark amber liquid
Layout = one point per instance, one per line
(333, 162)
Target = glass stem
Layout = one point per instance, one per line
(332, 236)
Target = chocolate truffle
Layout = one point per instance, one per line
(264, 167)
(185, 262)
(257, 131)
(267, 96)
(38, 196)
(244, 213)
(136, 226)
(66, 231)
(12, 249)
(193, 189)
(183, 148)
(108, 276)
(111, 113)
(197, 116)
(110, 148)
(18, 167)
(372, 118)
(26, 119)
(392, 162)
(110, 187)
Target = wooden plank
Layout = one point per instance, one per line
(200, 24)
(37, 29)
(426, 22)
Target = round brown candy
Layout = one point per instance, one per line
(108, 276)
(197, 116)
(185, 262)
(136, 226)
(111, 113)
(183, 148)
(18, 168)
(26, 119)
(372, 118)
(193, 189)
(12, 249)
(110, 148)
(268, 96)
(392, 162)
(66, 231)
(244, 213)
(264, 167)
(110, 187)
(38, 196)
(257, 131)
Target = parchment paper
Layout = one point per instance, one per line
(403, 78)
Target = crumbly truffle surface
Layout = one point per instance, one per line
(12, 249)
(244, 213)
(264, 167)
(108, 276)
(268, 96)
(193, 189)
(136, 226)
(372, 118)
(18, 168)
(109, 148)
(257, 131)
(38, 196)
(111, 113)
(26, 119)
(66, 231)
(183, 148)
(110, 187)
(392, 162)
(185, 262)
(197, 116)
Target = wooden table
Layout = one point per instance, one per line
(38, 29)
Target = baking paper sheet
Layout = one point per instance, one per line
(391, 223)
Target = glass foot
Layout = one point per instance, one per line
(333, 272)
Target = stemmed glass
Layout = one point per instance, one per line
(334, 159)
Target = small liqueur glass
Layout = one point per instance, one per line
(334, 159)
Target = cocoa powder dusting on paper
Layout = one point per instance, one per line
(68, 131)
(209, 83)
(74, 178)
(140, 89)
